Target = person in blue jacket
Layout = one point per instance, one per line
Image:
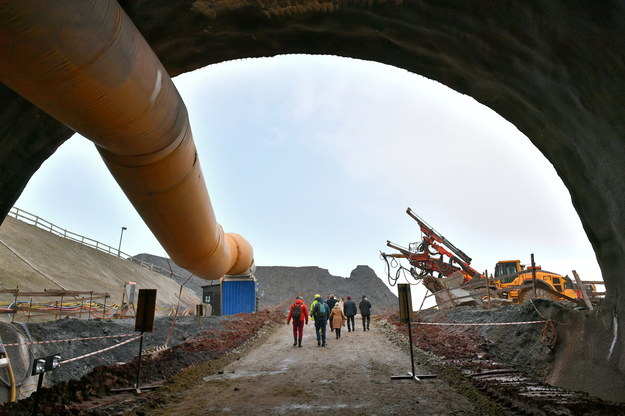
(320, 312)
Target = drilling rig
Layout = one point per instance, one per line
(512, 281)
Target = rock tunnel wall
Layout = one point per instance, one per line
(553, 68)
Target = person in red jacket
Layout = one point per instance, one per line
(299, 314)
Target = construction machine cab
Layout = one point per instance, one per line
(508, 268)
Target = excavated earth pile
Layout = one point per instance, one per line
(85, 386)
(508, 353)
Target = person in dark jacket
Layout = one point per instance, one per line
(299, 318)
(350, 311)
(365, 312)
(321, 313)
(332, 301)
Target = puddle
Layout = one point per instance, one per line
(282, 367)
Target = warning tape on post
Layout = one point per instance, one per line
(100, 351)
(481, 324)
(53, 341)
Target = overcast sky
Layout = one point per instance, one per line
(315, 159)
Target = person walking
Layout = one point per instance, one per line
(299, 314)
(321, 313)
(350, 311)
(365, 312)
(312, 305)
(337, 316)
(342, 302)
(331, 302)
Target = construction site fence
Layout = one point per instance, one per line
(39, 222)
(57, 304)
(49, 309)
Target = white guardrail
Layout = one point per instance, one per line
(39, 222)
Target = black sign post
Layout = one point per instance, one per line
(41, 366)
(144, 322)
(405, 315)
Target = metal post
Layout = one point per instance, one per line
(533, 275)
(121, 235)
(411, 352)
(138, 385)
(90, 303)
(487, 288)
(15, 313)
(39, 384)
(411, 375)
(121, 309)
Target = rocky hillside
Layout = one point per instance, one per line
(279, 283)
(276, 282)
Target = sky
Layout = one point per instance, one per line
(314, 160)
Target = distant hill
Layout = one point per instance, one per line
(277, 284)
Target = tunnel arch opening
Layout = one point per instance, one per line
(331, 150)
(550, 68)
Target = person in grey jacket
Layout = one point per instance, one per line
(349, 309)
(365, 312)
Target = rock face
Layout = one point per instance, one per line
(277, 283)
(554, 69)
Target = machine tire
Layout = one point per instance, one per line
(527, 293)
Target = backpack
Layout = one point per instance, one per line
(321, 309)
(296, 312)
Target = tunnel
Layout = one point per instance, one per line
(554, 69)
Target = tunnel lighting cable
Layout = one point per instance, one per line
(173, 324)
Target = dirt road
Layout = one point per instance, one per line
(351, 375)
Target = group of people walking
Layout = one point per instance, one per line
(334, 311)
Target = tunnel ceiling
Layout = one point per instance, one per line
(553, 68)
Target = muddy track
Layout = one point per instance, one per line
(351, 375)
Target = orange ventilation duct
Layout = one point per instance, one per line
(86, 64)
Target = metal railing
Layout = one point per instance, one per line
(39, 222)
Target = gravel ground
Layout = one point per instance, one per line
(258, 348)
(165, 331)
(75, 385)
(351, 375)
